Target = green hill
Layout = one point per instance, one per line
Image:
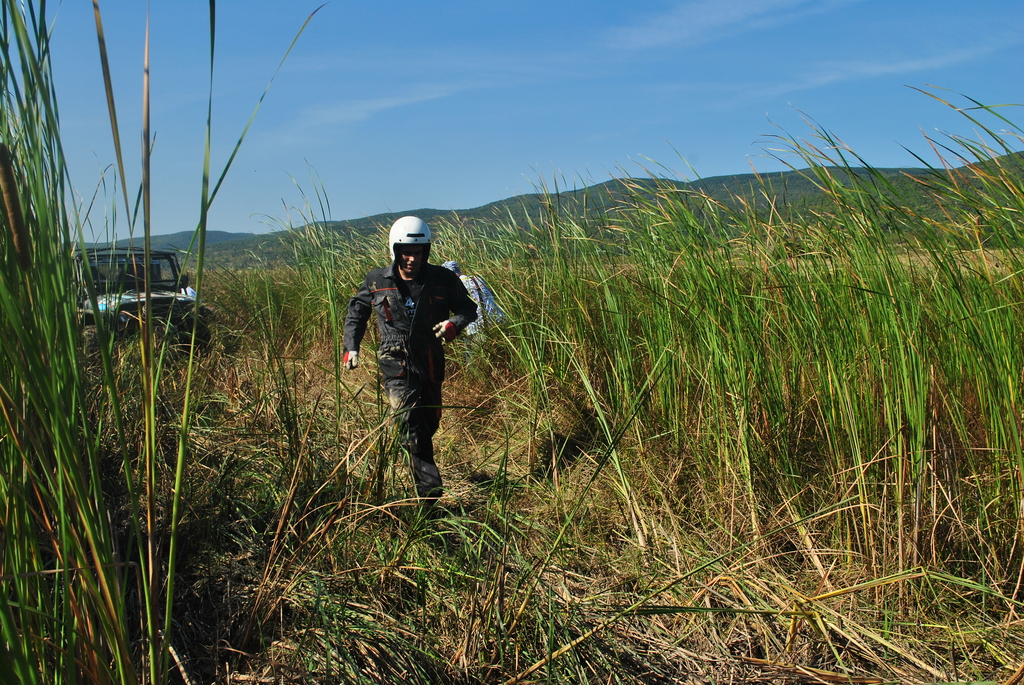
(789, 191)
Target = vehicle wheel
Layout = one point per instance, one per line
(179, 332)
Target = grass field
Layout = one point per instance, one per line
(710, 445)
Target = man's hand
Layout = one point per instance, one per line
(351, 360)
(446, 331)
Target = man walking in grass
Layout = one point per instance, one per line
(419, 307)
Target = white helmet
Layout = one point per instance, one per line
(410, 230)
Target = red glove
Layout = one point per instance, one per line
(446, 331)
(351, 360)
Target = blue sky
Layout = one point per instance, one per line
(397, 105)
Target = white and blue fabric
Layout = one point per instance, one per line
(488, 312)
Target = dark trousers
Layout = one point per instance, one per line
(416, 411)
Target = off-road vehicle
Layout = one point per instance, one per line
(119, 277)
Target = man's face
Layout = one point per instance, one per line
(409, 259)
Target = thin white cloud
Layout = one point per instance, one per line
(414, 79)
(354, 111)
(482, 64)
(430, 76)
(313, 121)
(827, 73)
(721, 94)
(701, 21)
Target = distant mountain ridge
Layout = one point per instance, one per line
(179, 240)
(792, 189)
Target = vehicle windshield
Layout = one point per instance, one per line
(117, 272)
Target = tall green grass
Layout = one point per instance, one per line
(715, 440)
(860, 354)
(795, 350)
(93, 456)
(65, 582)
(704, 420)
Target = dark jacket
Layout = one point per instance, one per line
(409, 345)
